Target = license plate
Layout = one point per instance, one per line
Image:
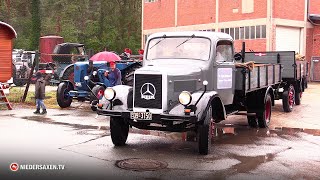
(141, 115)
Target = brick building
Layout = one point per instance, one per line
(265, 25)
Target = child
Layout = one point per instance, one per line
(40, 89)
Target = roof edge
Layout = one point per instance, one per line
(10, 27)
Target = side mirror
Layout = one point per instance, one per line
(238, 57)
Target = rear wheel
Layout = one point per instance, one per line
(252, 121)
(298, 94)
(204, 134)
(288, 98)
(129, 75)
(63, 98)
(98, 91)
(265, 116)
(119, 129)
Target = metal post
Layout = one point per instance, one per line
(35, 62)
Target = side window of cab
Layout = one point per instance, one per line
(224, 51)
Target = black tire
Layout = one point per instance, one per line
(252, 121)
(119, 129)
(69, 74)
(264, 117)
(129, 75)
(305, 83)
(288, 99)
(204, 133)
(298, 95)
(62, 99)
(19, 82)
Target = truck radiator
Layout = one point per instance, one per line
(148, 91)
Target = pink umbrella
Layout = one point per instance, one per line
(105, 56)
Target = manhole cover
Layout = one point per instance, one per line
(136, 164)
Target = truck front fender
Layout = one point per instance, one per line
(209, 98)
(120, 102)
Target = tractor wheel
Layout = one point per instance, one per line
(298, 95)
(69, 74)
(204, 133)
(129, 75)
(17, 81)
(288, 98)
(119, 129)
(63, 98)
(252, 121)
(265, 117)
(98, 91)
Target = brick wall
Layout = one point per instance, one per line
(159, 14)
(314, 7)
(192, 12)
(226, 10)
(255, 45)
(288, 9)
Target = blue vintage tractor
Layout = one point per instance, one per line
(92, 88)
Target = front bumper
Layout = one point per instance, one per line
(156, 118)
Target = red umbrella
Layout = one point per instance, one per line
(105, 56)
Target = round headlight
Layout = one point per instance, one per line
(109, 94)
(86, 78)
(94, 73)
(185, 98)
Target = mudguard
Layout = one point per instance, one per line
(122, 92)
(202, 105)
(62, 72)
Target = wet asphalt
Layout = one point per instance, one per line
(78, 139)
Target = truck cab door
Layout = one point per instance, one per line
(224, 71)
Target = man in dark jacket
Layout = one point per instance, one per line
(40, 89)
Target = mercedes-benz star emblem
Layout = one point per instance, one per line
(148, 91)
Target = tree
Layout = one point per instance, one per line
(36, 24)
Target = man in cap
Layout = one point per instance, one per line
(114, 75)
(40, 89)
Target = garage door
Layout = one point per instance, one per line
(288, 39)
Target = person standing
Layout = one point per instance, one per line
(114, 75)
(40, 89)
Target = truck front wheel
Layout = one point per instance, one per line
(63, 98)
(288, 98)
(265, 116)
(119, 129)
(204, 134)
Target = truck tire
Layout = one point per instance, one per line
(129, 75)
(69, 74)
(298, 94)
(19, 82)
(288, 98)
(62, 95)
(204, 133)
(252, 121)
(119, 130)
(98, 90)
(265, 116)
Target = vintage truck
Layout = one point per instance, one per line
(188, 82)
(294, 75)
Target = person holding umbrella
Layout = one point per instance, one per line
(114, 75)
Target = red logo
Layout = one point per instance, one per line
(14, 166)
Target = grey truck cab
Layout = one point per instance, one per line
(187, 83)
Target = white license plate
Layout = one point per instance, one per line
(141, 115)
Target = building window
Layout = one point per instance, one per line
(236, 33)
(264, 29)
(252, 32)
(247, 6)
(241, 33)
(232, 32)
(150, 1)
(222, 30)
(247, 32)
(258, 32)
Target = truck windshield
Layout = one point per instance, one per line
(179, 48)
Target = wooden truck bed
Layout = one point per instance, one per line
(261, 76)
(292, 68)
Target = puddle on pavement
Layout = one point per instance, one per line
(60, 115)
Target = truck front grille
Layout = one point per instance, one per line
(148, 91)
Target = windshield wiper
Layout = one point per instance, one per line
(186, 40)
(163, 38)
